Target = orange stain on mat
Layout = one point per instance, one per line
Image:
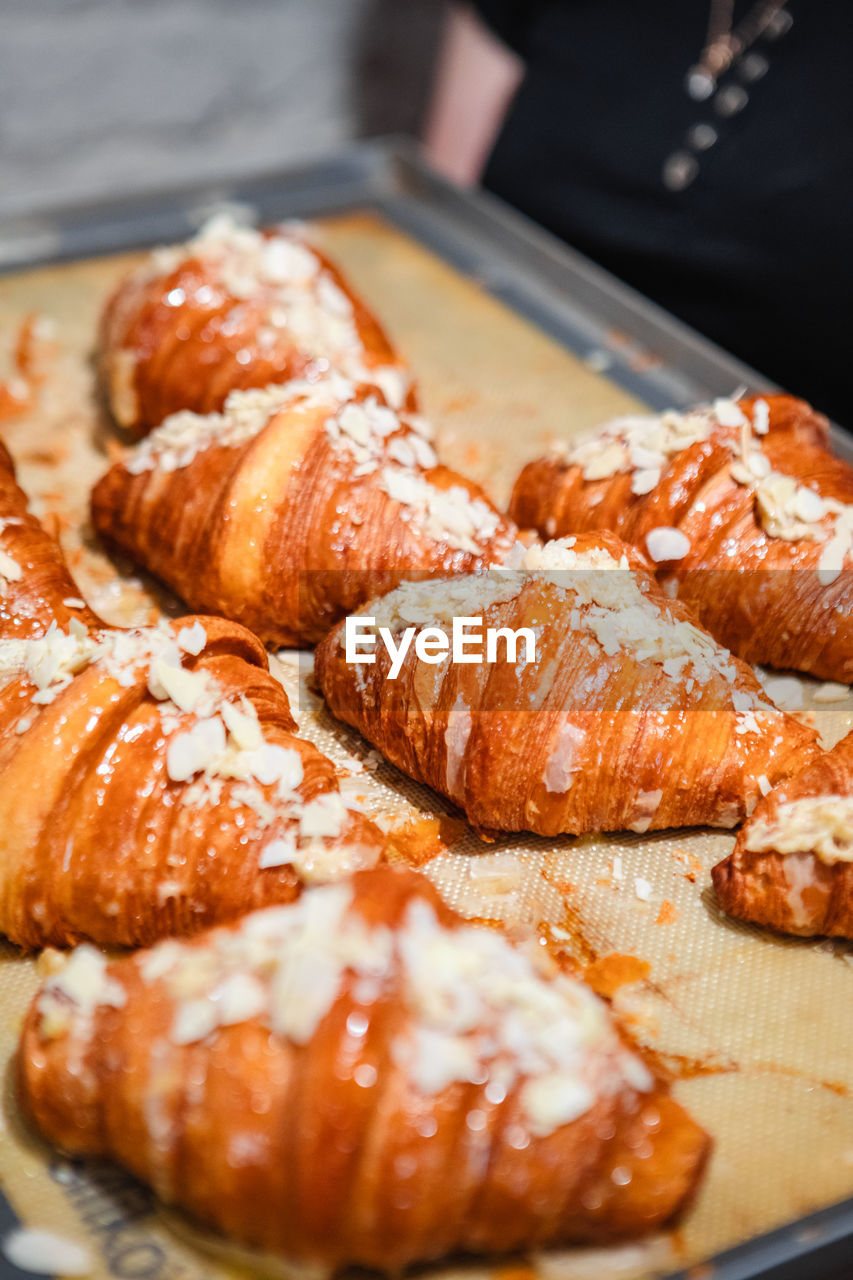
(18, 393)
(668, 913)
(607, 974)
(422, 839)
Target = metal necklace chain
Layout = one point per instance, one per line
(726, 49)
(724, 43)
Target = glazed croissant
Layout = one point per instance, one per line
(36, 588)
(792, 864)
(150, 780)
(293, 506)
(625, 716)
(360, 1077)
(743, 508)
(236, 308)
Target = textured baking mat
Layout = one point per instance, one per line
(754, 1028)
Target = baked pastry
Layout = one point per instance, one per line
(293, 506)
(746, 512)
(36, 588)
(236, 308)
(360, 1077)
(151, 780)
(629, 716)
(792, 864)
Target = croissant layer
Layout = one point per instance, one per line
(294, 507)
(36, 588)
(151, 780)
(630, 717)
(232, 310)
(302, 1124)
(792, 865)
(746, 511)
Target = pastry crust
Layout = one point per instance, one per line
(748, 514)
(359, 1091)
(294, 506)
(151, 780)
(233, 309)
(36, 588)
(792, 864)
(631, 717)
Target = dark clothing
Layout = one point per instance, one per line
(756, 251)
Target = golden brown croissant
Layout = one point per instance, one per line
(150, 780)
(792, 864)
(746, 512)
(236, 308)
(294, 506)
(630, 716)
(360, 1077)
(36, 588)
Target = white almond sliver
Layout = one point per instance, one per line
(644, 481)
(831, 692)
(278, 853)
(9, 568)
(786, 692)
(192, 639)
(667, 543)
(45, 1253)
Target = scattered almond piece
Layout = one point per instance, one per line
(831, 692)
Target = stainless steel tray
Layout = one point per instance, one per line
(642, 349)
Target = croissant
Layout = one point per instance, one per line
(36, 588)
(792, 864)
(747, 514)
(626, 715)
(235, 308)
(150, 780)
(360, 1077)
(293, 506)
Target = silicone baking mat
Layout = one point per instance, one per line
(754, 1028)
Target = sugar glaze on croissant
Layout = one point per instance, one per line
(631, 717)
(151, 780)
(36, 588)
(745, 510)
(792, 864)
(236, 308)
(293, 506)
(360, 1077)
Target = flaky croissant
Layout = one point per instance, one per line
(235, 308)
(792, 864)
(294, 506)
(360, 1077)
(36, 588)
(743, 507)
(630, 716)
(150, 780)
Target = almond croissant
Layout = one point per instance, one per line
(360, 1077)
(293, 506)
(628, 717)
(36, 588)
(150, 780)
(742, 506)
(235, 308)
(792, 864)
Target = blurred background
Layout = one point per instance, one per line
(701, 150)
(102, 97)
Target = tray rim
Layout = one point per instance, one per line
(528, 269)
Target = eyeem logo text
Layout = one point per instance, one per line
(468, 641)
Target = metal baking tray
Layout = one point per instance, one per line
(639, 346)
